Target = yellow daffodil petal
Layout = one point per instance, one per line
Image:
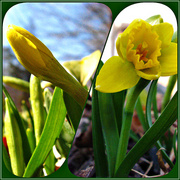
(140, 45)
(168, 60)
(151, 73)
(116, 75)
(118, 45)
(83, 69)
(74, 67)
(165, 32)
(88, 66)
(24, 33)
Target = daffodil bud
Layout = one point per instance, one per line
(39, 60)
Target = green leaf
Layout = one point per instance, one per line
(6, 158)
(49, 164)
(98, 139)
(14, 141)
(140, 114)
(165, 120)
(107, 117)
(51, 131)
(63, 143)
(109, 128)
(150, 99)
(25, 142)
(131, 99)
(154, 102)
(170, 86)
(118, 103)
(16, 83)
(175, 143)
(74, 110)
(134, 136)
(151, 92)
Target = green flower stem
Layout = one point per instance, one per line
(167, 95)
(132, 96)
(31, 139)
(36, 98)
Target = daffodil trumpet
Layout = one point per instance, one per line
(144, 51)
(39, 60)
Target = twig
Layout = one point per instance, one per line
(149, 168)
(145, 176)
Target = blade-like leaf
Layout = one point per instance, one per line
(150, 99)
(98, 140)
(6, 159)
(16, 83)
(51, 131)
(170, 86)
(118, 102)
(25, 142)
(109, 128)
(14, 141)
(74, 110)
(141, 115)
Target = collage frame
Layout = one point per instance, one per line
(63, 173)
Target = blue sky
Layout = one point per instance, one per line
(39, 18)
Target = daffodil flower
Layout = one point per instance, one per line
(145, 51)
(39, 60)
(83, 69)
